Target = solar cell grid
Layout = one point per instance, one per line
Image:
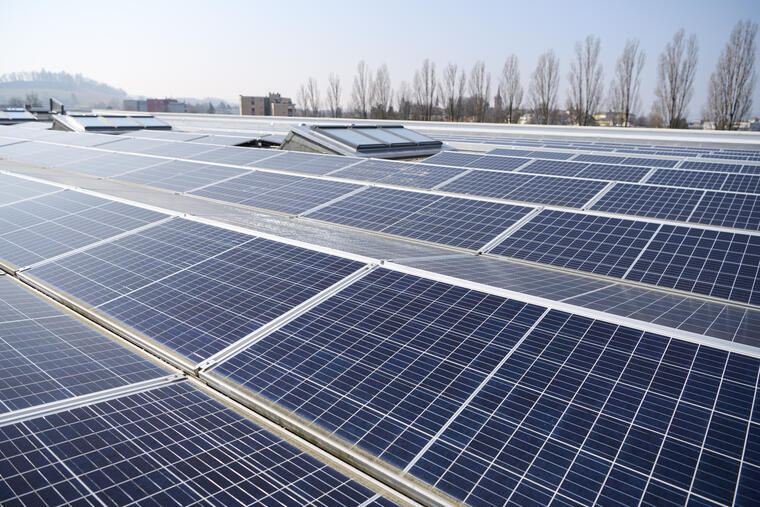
(172, 445)
(14, 189)
(513, 152)
(720, 264)
(613, 172)
(490, 184)
(180, 176)
(650, 162)
(711, 166)
(742, 183)
(693, 179)
(555, 155)
(601, 245)
(497, 163)
(650, 201)
(555, 167)
(741, 211)
(399, 173)
(110, 164)
(572, 193)
(448, 158)
(234, 156)
(306, 163)
(602, 159)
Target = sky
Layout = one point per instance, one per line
(227, 48)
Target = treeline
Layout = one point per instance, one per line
(61, 80)
(459, 94)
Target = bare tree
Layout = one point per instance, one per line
(733, 81)
(511, 89)
(382, 95)
(460, 95)
(333, 95)
(675, 79)
(404, 101)
(303, 101)
(360, 95)
(425, 85)
(543, 87)
(480, 89)
(449, 91)
(585, 81)
(624, 88)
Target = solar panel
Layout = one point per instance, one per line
(715, 263)
(553, 167)
(234, 156)
(711, 166)
(649, 201)
(277, 192)
(180, 175)
(741, 211)
(45, 154)
(306, 163)
(53, 224)
(601, 245)
(613, 172)
(399, 173)
(451, 158)
(650, 162)
(512, 152)
(497, 163)
(554, 155)
(172, 445)
(14, 189)
(602, 159)
(742, 183)
(110, 164)
(195, 307)
(46, 355)
(694, 179)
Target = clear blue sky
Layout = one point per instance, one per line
(225, 48)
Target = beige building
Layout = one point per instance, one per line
(272, 105)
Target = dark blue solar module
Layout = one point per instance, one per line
(168, 446)
(649, 201)
(711, 166)
(693, 179)
(277, 192)
(47, 355)
(180, 175)
(720, 264)
(602, 159)
(613, 172)
(511, 152)
(554, 167)
(601, 245)
(234, 155)
(306, 163)
(524, 187)
(50, 225)
(374, 208)
(741, 211)
(650, 162)
(553, 155)
(399, 173)
(14, 189)
(111, 164)
(195, 309)
(401, 367)
(498, 163)
(742, 183)
(452, 158)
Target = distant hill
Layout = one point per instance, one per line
(74, 90)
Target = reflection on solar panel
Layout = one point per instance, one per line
(602, 245)
(45, 154)
(719, 264)
(110, 164)
(14, 189)
(306, 163)
(235, 156)
(181, 176)
(195, 303)
(277, 192)
(50, 225)
(741, 211)
(650, 201)
(399, 173)
(46, 355)
(172, 445)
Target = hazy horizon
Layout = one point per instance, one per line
(223, 49)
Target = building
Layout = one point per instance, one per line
(165, 106)
(272, 105)
(135, 105)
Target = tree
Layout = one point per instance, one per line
(425, 85)
(460, 95)
(382, 94)
(404, 101)
(360, 94)
(449, 91)
(585, 81)
(210, 109)
(480, 89)
(15, 102)
(624, 88)
(732, 83)
(543, 87)
(333, 95)
(675, 79)
(33, 99)
(308, 95)
(511, 90)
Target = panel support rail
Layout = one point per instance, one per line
(598, 195)
(509, 231)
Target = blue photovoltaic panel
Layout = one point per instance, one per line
(384, 363)
(168, 446)
(399, 173)
(374, 208)
(602, 159)
(306, 163)
(649, 201)
(47, 355)
(749, 183)
(711, 166)
(554, 167)
(694, 179)
(486, 183)
(650, 162)
(180, 175)
(447, 158)
(234, 156)
(465, 223)
(277, 192)
(512, 152)
(720, 264)
(741, 211)
(111, 164)
(613, 172)
(14, 189)
(573, 193)
(601, 245)
(553, 155)
(498, 163)
(195, 308)
(53, 224)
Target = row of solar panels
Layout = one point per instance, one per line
(86, 420)
(488, 399)
(633, 148)
(733, 209)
